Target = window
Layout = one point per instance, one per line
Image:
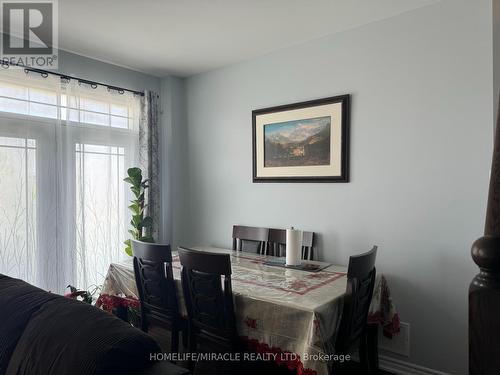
(18, 209)
(96, 112)
(100, 212)
(64, 151)
(32, 101)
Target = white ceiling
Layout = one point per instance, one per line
(185, 37)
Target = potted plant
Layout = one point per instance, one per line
(85, 296)
(141, 225)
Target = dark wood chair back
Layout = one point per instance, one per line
(250, 239)
(277, 243)
(206, 282)
(155, 282)
(360, 283)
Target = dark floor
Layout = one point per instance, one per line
(259, 368)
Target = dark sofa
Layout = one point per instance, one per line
(46, 334)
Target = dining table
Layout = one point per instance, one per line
(277, 309)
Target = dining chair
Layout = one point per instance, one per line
(352, 333)
(250, 239)
(157, 291)
(206, 283)
(276, 244)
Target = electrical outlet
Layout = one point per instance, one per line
(399, 344)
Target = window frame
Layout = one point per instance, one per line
(52, 258)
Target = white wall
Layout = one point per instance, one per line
(421, 137)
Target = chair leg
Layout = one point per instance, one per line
(363, 357)
(174, 341)
(185, 343)
(192, 349)
(337, 368)
(372, 347)
(144, 323)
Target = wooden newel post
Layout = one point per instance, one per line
(484, 291)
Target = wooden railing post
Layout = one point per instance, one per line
(484, 291)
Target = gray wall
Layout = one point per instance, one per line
(421, 137)
(84, 67)
(94, 70)
(496, 53)
(173, 128)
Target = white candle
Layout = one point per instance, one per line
(293, 247)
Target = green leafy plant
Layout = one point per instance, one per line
(85, 296)
(141, 225)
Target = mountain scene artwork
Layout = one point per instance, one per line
(298, 143)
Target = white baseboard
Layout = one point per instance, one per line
(399, 367)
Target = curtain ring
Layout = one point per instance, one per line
(93, 85)
(44, 75)
(5, 64)
(121, 91)
(27, 71)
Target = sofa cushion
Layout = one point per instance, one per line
(165, 368)
(18, 301)
(65, 336)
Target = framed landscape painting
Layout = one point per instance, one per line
(302, 142)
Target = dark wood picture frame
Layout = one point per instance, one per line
(345, 101)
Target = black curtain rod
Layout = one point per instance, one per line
(93, 84)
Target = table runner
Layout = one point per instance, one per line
(277, 309)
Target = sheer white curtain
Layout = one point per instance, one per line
(64, 151)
